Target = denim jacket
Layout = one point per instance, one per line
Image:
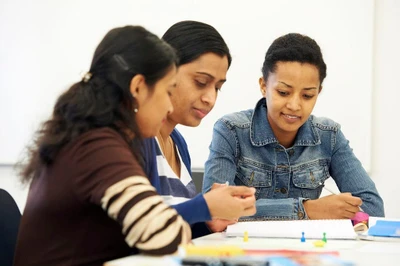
(244, 151)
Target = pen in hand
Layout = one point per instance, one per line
(331, 191)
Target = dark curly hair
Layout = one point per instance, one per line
(294, 47)
(104, 100)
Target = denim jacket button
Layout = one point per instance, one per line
(300, 215)
(291, 152)
(283, 190)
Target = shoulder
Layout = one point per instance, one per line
(98, 138)
(102, 144)
(324, 123)
(237, 119)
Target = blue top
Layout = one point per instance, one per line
(244, 151)
(195, 211)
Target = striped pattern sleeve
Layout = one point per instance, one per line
(147, 222)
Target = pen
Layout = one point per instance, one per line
(331, 191)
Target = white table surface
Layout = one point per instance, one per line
(360, 252)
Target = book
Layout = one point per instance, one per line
(312, 229)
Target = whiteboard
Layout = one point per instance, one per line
(45, 45)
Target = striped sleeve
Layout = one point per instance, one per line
(147, 222)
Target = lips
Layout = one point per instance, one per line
(291, 118)
(201, 112)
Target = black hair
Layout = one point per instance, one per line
(294, 47)
(191, 39)
(103, 97)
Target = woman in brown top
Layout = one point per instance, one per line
(89, 200)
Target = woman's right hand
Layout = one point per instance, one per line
(230, 202)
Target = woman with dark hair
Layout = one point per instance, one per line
(285, 152)
(204, 59)
(89, 200)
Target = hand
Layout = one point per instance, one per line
(219, 225)
(218, 185)
(231, 202)
(341, 206)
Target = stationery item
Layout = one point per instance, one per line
(385, 228)
(384, 231)
(313, 229)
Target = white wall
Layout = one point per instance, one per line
(385, 99)
(46, 43)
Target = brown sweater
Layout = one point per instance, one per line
(93, 205)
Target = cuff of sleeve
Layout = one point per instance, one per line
(194, 210)
(299, 209)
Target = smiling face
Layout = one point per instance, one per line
(153, 107)
(291, 93)
(198, 83)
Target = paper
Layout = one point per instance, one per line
(313, 229)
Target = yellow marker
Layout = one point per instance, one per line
(213, 251)
(319, 243)
(246, 236)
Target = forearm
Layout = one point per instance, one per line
(279, 209)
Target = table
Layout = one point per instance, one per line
(360, 252)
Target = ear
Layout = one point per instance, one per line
(138, 87)
(263, 86)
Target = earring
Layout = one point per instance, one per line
(135, 105)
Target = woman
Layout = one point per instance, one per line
(286, 153)
(89, 200)
(204, 59)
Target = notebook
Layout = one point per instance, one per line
(313, 229)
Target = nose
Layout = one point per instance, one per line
(294, 103)
(170, 107)
(209, 96)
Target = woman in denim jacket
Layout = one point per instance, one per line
(285, 152)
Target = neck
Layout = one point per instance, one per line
(286, 141)
(166, 129)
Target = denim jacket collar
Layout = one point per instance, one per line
(261, 132)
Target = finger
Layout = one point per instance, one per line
(217, 185)
(247, 202)
(242, 191)
(355, 201)
(249, 211)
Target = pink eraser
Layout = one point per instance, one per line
(360, 217)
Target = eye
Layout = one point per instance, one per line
(201, 84)
(283, 93)
(308, 97)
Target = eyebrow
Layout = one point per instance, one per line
(211, 76)
(290, 86)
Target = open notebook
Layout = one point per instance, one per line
(314, 229)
